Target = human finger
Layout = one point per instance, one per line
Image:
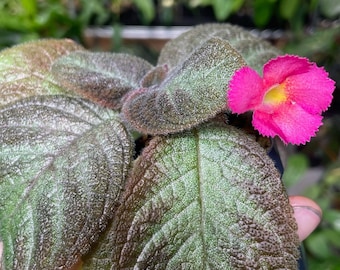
(307, 214)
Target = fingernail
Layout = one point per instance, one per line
(310, 209)
(307, 218)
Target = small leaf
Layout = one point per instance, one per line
(255, 51)
(206, 199)
(189, 95)
(103, 78)
(155, 76)
(25, 68)
(63, 162)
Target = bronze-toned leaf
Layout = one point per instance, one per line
(255, 51)
(190, 94)
(103, 78)
(210, 198)
(63, 164)
(25, 68)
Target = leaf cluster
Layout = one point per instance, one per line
(201, 194)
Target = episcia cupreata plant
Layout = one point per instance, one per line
(109, 162)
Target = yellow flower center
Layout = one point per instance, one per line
(275, 95)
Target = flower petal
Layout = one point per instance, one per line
(245, 90)
(290, 122)
(312, 90)
(277, 70)
(264, 123)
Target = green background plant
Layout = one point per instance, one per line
(29, 19)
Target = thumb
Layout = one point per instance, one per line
(307, 214)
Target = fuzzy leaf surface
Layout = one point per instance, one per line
(210, 198)
(25, 68)
(63, 163)
(255, 51)
(103, 78)
(188, 95)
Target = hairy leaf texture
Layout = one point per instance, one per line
(210, 198)
(103, 78)
(255, 51)
(188, 95)
(26, 68)
(63, 164)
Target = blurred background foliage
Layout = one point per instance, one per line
(22, 20)
(308, 28)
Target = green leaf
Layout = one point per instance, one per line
(222, 9)
(263, 11)
(332, 218)
(333, 237)
(288, 9)
(25, 68)
(206, 199)
(318, 244)
(296, 167)
(256, 52)
(103, 78)
(189, 95)
(147, 9)
(63, 163)
(30, 7)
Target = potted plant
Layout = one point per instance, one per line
(109, 162)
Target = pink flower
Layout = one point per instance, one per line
(287, 101)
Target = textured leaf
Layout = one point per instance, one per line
(25, 68)
(192, 93)
(63, 162)
(101, 77)
(255, 51)
(206, 199)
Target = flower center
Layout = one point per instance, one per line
(275, 95)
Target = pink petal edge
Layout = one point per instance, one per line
(290, 122)
(245, 90)
(264, 123)
(276, 70)
(311, 90)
